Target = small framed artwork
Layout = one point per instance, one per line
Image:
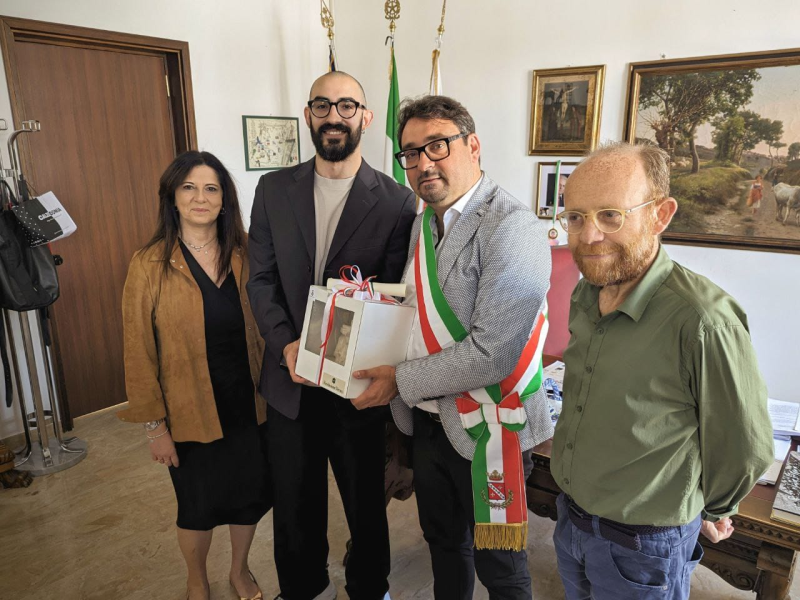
(729, 125)
(565, 110)
(546, 187)
(271, 142)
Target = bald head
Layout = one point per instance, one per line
(339, 82)
(620, 160)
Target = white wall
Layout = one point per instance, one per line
(489, 52)
(248, 57)
(260, 57)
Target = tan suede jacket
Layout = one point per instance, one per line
(166, 369)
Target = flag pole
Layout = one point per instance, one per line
(390, 165)
(436, 74)
(326, 18)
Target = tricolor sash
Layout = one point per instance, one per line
(492, 416)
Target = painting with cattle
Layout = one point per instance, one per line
(729, 125)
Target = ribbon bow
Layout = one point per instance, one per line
(477, 416)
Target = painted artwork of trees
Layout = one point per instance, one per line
(731, 112)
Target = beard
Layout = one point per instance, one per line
(433, 194)
(335, 150)
(631, 261)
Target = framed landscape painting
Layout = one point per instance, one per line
(271, 142)
(730, 126)
(565, 110)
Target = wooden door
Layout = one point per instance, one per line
(108, 130)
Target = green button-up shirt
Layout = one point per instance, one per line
(665, 411)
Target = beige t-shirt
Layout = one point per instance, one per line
(330, 196)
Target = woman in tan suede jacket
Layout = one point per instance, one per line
(192, 361)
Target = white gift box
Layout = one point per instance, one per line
(364, 334)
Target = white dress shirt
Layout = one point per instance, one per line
(416, 343)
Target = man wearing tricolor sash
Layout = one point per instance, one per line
(470, 392)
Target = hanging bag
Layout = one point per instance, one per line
(28, 278)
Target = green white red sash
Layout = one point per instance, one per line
(492, 416)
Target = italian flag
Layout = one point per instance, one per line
(492, 416)
(390, 165)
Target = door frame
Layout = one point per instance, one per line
(178, 79)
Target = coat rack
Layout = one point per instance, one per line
(45, 454)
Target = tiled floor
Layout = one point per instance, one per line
(104, 530)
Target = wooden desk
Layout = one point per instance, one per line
(759, 556)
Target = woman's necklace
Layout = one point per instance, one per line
(198, 248)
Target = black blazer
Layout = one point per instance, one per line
(373, 233)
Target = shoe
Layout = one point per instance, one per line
(258, 596)
(329, 593)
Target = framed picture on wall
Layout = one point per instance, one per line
(271, 142)
(565, 110)
(730, 126)
(546, 187)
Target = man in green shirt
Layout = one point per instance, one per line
(664, 426)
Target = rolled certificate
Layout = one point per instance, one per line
(387, 289)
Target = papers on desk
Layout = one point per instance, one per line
(555, 371)
(784, 417)
(782, 446)
(553, 384)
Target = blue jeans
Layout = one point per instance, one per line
(592, 567)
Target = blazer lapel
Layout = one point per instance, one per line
(359, 202)
(464, 229)
(237, 267)
(301, 198)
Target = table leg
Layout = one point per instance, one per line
(775, 577)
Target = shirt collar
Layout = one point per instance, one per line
(636, 303)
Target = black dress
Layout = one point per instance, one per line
(223, 482)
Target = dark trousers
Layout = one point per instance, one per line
(328, 428)
(593, 567)
(443, 484)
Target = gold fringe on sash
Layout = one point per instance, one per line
(501, 536)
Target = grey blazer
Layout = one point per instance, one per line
(494, 268)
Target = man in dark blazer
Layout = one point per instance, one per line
(307, 222)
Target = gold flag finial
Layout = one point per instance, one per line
(436, 83)
(392, 12)
(326, 17)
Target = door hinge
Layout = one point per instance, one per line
(166, 78)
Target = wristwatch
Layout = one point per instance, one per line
(152, 425)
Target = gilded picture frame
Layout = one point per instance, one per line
(566, 106)
(729, 125)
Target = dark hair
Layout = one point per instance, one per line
(230, 229)
(434, 107)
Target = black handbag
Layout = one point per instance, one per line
(28, 278)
